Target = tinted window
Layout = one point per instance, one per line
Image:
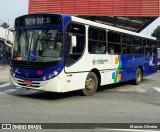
(97, 41)
(126, 39)
(137, 50)
(127, 49)
(114, 37)
(144, 42)
(74, 52)
(114, 42)
(149, 47)
(137, 41)
(114, 48)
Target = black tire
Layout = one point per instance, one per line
(91, 84)
(138, 79)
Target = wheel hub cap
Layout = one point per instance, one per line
(90, 84)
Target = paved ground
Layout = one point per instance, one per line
(3, 66)
(120, 103)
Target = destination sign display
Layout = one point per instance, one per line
(38, 20)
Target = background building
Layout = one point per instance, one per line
(5, 49)
(119, 13)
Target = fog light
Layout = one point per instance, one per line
(55, 73)
(44, 78)
(50, 76)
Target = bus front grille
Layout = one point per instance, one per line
(33, 85)
(33, 65)
(29, 76)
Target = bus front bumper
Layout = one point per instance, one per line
(52, 85)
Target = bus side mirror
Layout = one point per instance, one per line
(73, 41)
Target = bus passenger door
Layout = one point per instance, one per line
(75, 57)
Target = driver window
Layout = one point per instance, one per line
(49, 45)
(74, 52)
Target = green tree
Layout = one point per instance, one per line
(156, 33)
(4, 25)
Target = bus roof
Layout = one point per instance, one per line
(88, 22)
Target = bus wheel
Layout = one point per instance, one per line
(138, 79)
(91, 84)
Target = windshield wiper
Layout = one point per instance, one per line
(39, 36)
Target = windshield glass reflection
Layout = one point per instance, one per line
(45, 44)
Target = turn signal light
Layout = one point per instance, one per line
(39, 72)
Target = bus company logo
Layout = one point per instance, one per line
(100, 61)
(6, 126)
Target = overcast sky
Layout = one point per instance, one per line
(148, 30)
(10, 9)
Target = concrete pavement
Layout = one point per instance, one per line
(118, 103)
(4, 66)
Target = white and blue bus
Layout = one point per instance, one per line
(62, 53)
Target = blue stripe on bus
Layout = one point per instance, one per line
(33, 72)
(132, 62)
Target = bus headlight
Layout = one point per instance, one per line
(44, 78)
(55, 73)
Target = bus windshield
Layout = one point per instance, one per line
(46, 45)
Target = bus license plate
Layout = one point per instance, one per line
(27, 83)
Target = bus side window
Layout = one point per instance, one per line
(101, 48)
(124, 50)
(96, 40)
(114, 42)
(111, 50)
